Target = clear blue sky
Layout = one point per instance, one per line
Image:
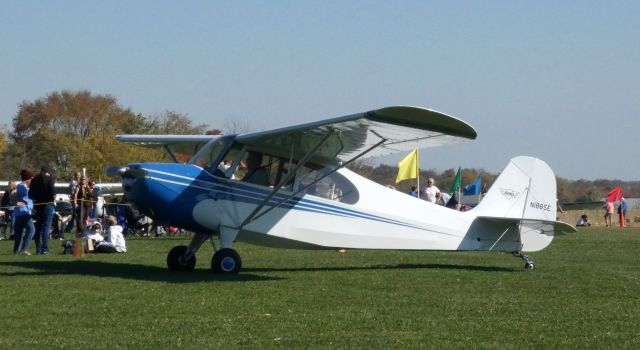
(554, 79)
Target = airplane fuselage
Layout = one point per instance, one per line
(187, 196)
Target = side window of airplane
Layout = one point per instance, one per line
(269, 170)
(334, 186)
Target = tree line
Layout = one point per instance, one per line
(568, 190)
(71, 130)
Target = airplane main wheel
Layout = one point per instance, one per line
(226, 261)
(176, 261)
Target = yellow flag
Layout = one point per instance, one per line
(408, 167)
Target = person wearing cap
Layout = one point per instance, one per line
(94, 235)
(23, 228)
(43, 194)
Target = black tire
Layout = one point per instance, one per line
(175, 261)
(226, 261)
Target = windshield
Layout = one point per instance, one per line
(210, 153)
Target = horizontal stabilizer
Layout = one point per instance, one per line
(512, 234)
(558, 226)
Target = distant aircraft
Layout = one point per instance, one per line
(62, 189)
(309, 200)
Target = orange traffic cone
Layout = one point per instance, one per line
(78, 249)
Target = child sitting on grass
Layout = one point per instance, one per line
(115, 240)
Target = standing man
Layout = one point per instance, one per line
(622, 212)
(431, 193)
(43, 195)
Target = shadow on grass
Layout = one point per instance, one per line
(386, 267)
(127, 271)
(161, 274)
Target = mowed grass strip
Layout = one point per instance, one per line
(584, 293)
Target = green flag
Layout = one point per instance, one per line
(455, 186)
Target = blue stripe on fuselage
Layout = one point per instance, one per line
(221, 189)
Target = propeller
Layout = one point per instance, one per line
(125, 172)
(115, 171)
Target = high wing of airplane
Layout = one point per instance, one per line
(297, 193)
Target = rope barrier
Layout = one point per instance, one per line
(69, 202)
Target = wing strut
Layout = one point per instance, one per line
(254, 214)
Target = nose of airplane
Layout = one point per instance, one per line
(134, 186)
(168, 192)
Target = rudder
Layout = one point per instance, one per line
(525, 189)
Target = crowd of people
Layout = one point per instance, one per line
(30, 207)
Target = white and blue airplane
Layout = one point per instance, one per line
(299, 194)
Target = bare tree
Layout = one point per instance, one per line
(236, 126)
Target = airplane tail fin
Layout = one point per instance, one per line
(519, 211)
(525, 189)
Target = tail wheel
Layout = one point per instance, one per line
(177, 262)
(226, 261)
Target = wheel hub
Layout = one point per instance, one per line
(228, 264)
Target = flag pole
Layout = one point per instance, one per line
(459, 205)
(418, 173)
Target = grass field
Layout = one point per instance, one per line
(584, 293)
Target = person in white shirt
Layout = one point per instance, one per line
(115, 242)
(430, 193)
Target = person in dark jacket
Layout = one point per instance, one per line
(42, 193)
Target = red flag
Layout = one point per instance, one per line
(615, 195)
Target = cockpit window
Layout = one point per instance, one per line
(236, 162)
